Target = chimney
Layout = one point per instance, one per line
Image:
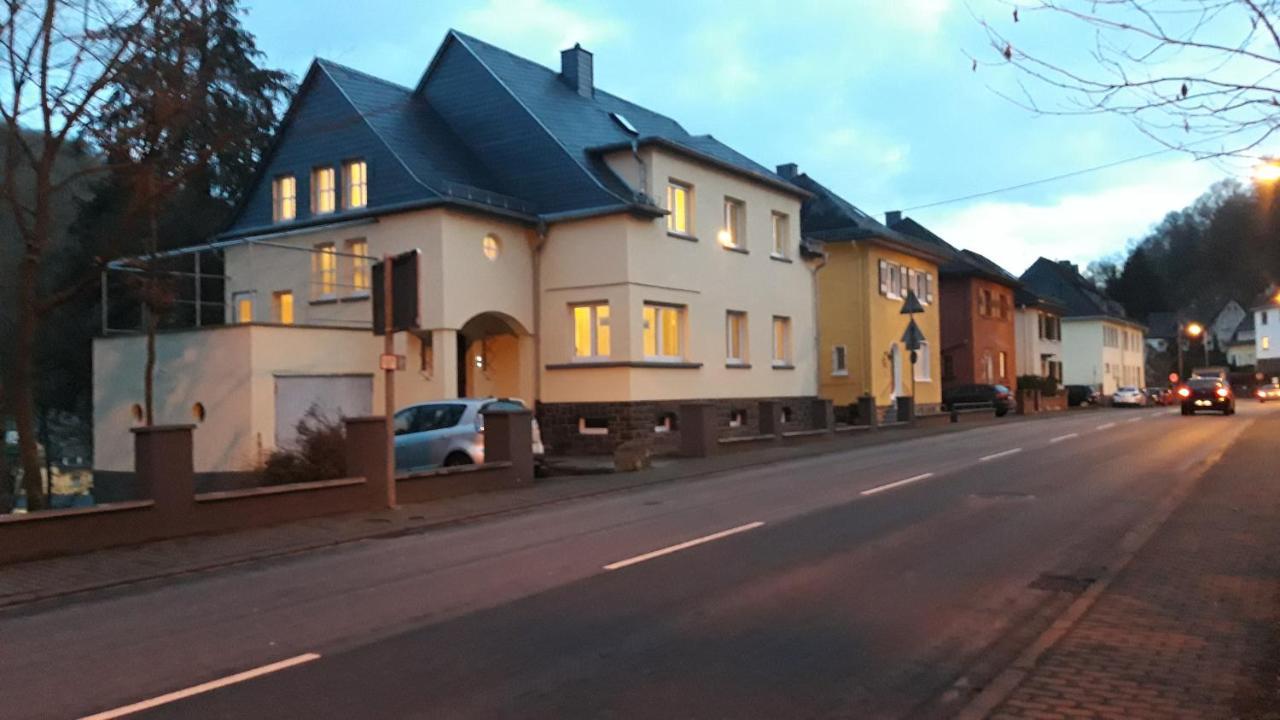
(1067, 264)
(788, 171)
(892, 217)
(576, 69)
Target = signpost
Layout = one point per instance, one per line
(913, 339)
(395, 308)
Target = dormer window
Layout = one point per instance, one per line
(324, 191)
(284, 198)
(355, 184)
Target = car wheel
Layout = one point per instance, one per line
(456, 458)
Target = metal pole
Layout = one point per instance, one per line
(198, 284)
(389, 381)
(1182, 375)
(104, 303)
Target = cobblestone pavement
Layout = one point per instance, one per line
(1191, 628)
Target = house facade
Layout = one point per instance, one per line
(1039, 335)
(1266, 323)
(573, 249)
(1102, 347)
(979, 336)
(866, 271)
(1241, 349)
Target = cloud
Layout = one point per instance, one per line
(868, 150)
(537, 28)
(1081, 226)
(924, 16)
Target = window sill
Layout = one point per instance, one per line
(780, 258)
(738, 365)
(783, 366)
(737, 249)
(682, 236)
(323, 301)
(843, 374)
(590, 364)
(355, 297)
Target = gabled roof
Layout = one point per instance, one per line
(1081, 297)
(1023, 297)
(1268, 298)
(828, 218)
(962, 262)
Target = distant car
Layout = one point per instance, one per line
(1207, 394)
(1270, 391)
(1078, 395)
(448, 433)
(974, 396)
(1129, 397)
(1159, 396)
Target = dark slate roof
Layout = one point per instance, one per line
(963, 262)
(1162, 325)
(826, 217)
(1246, 326)
(1023, 297)
(482, 128)
(1081, 297)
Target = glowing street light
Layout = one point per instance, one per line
(1194, 329)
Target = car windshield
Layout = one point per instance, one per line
(1128, 390)
(1203, 384)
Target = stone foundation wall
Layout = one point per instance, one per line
(632, 420)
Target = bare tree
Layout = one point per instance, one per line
(57, 59)
(1201, 76)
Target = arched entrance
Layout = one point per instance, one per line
(495, 358)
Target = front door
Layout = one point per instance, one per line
(896, 362)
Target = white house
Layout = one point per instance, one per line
(1266, 325)
(1039, 335)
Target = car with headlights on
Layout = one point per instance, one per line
(1207, 393)
(1129, 397)
(1270, 391)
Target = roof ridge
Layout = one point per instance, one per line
(370, 76)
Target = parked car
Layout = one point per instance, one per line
(448, 433)
(1078, 395)
(1129, 396)
(1270, 391)
(974, 396)
(1159, 396)
(1207, 394)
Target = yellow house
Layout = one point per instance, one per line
(862, 286)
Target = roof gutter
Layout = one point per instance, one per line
(775, 183)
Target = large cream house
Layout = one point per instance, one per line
(574, 250)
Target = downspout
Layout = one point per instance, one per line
(817, 323)
(541, 231)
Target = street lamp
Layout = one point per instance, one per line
(1194, 330)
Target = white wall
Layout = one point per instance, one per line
(1031, 347)
(1266, 325)
(1087, 361)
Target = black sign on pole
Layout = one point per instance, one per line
(404, 293)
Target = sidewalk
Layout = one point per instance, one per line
(55, 577)
(1191, 627)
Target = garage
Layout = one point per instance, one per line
(335, 396)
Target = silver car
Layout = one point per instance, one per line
(448, 433)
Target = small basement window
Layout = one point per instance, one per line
(787, 415)
(593, 426)
(665, 423)
(737, 418)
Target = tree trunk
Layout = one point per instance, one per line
(22, 384)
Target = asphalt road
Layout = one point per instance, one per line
(883, 582)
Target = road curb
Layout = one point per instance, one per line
(1004, 684)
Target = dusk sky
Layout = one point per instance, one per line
(874, 98)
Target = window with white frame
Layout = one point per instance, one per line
(924, 365)
(735, 337)
(358, 250)
(242, 306)
(324, 271)
(355, 184)
(781, 341)
(680, 205)
(896, 279)
(324, 191)
(839, 360)
(591, 331)
(282, 307)
(284, 198)
(733, 234)
(781, 234)
(663, 330)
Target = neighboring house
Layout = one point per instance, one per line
(979, 338)
(862, 284)
(1102, 347)
(1266, 322)
(1039, 333)
(1223, 325)
(1241, 349)
(575, 250)
(1162, 330)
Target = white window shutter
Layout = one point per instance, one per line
(884, 278)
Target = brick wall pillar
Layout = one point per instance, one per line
(369, 457)
(508, 437)
(770, 419)
(163, 461)
(867, 414)
(823, 414)
(698, 432)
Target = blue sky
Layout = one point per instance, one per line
(874, 98)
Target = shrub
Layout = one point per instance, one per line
(320, 453)
(1048, 387)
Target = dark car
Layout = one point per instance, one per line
(1207, 394)
(1078, 395)
(974, 397)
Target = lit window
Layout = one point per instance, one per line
(781, 231)
(284, 198)
(781, 341)
(1266, 342)
(591, 331)
(924, 367)
(324, 190)
(491, 246)
(735, 337)
(839, 360)
(324, 270)
(359, 251)
(1004, 365)
(662, 330)
(282, 307)
(680, 218)
(243, 304)
(355, 184)
(733, 234)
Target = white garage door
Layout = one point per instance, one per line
(337, 396)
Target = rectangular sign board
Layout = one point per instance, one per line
(404, 293)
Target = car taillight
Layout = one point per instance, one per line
(1222, 392)
(1184, 392)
